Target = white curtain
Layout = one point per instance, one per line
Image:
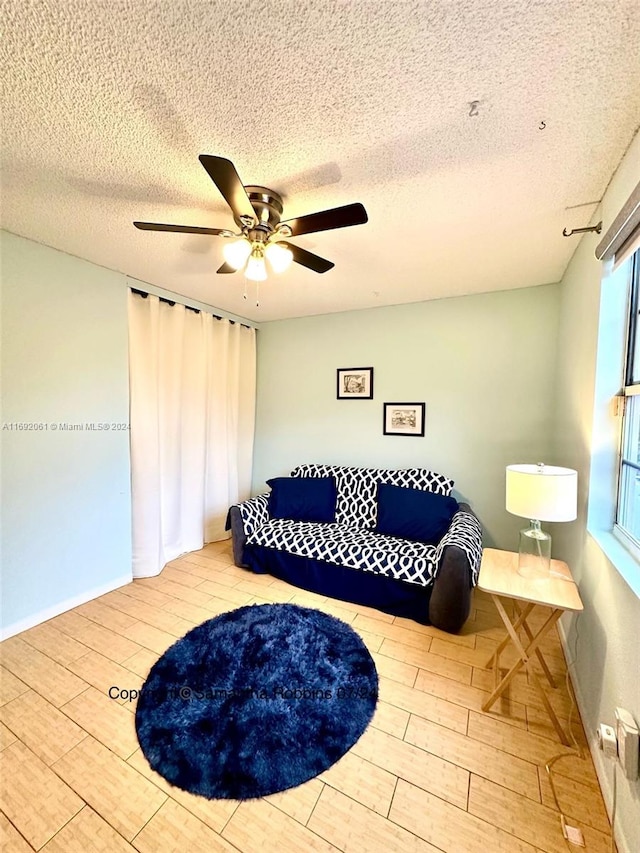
(192, 411)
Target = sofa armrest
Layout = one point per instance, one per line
(459, 553)
(242, 520)
(238, 536)
(465, 533)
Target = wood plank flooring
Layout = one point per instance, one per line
(432, 773)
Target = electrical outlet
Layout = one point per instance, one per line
(628, 736)
(607, 741)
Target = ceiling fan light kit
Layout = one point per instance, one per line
(279, 256)
(236, 254)
(262, 236)
(251, 255)
(256, 269)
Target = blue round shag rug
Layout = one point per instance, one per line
(256, 701)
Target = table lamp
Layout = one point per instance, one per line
(540, 493)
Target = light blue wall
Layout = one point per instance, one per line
(608, 651)
(484, 366)
(66, 512)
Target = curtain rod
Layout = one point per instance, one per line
(623, 228)
(172, 302)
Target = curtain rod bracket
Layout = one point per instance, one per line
(597, 228)
(144, 294)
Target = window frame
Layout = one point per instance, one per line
(630, 390)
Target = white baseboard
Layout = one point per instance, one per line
(62, 607)
(603, 769)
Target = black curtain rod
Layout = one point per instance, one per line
(171, 302)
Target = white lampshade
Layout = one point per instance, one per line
(542, 492)
(256, 269)
(279, 256)
(236, 253)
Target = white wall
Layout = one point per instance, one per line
(483, 364)
(65, 494)
(608, 652)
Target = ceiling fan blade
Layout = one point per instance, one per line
(223, 174)
(183, 229)
(326, 220)
(308, 259)
(226, 268)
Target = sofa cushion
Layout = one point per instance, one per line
(413, 514)
(413, 562)
(357, 488)
(303, 498)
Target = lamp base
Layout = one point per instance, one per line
(534, 554)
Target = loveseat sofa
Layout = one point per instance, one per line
(391, 539)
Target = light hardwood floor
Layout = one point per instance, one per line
(431, 773)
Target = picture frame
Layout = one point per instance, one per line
(404, 419)
(354, 383)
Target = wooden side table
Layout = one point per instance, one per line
(499, 577)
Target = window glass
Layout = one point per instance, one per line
(633, 359)
(629, 499)
(628, 513)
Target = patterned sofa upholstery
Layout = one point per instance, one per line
(349, 560)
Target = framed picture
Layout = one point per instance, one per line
(403, 419)
(355, 383)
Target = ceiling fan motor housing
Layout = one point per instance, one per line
(268, 207)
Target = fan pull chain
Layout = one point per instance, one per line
(245, 293)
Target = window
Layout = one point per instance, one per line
(628, 507)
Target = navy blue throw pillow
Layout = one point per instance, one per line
(303, 498)
(414, 514)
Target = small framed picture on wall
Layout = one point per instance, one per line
(404, 419)
(355, 383)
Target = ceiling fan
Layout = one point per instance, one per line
(262, 236)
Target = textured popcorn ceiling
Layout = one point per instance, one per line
(106, 105)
